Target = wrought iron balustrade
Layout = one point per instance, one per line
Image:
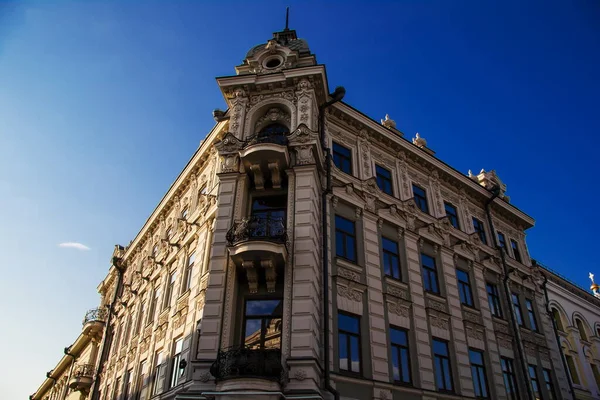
(257, 228)
(240, 361)
(274, 138)
(97, 314)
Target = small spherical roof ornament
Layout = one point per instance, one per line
(388, 122)
(594, 288)
(419, 141)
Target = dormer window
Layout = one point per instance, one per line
(273, 62)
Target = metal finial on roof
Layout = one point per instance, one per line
(287, 18)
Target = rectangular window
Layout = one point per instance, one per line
(478, 226)
(117, 337)
(510, 379)
(117, 388)
(596, 373)
(176, 372)
(154, 306)
(429, 272)
(349, 343)
(140, 317)
(531, 313)
(502, 241)
(549, 384)
(535, 384)
(345, 238)
(452, 214)
(159, 375)
(342, 158)
(128, 328)
(420, 197)
(478, 374)
(188, 273)
(515, 249)
(170, 290)
(443, 372)
(400, 355)
(142, 382)
(517, 308)
(572, 370)
(494, 300)
(262, 324)
(391, 258)
(384, 179)
(464, 288)
(127, 395)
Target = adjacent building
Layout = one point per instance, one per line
(307, 251)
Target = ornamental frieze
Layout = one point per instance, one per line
(436, 305)
(347, 274)
(472, 317)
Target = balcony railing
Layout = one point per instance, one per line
(274, 138)
(84, 371)
(95, 315)
(240, 361)
(257, 228)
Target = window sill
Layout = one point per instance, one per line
(472, 308)
(344, 262)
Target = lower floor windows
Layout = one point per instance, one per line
(572, 370)
(535, 385)
(262, 324)
(548, 382)
(349, 343)
(443, 371)
(478, 374)
(400, 355)
(510, 381)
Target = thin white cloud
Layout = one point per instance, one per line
(74, 245)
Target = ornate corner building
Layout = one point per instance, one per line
(307, 251)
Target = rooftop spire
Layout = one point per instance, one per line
(283, 37)
(287, 18)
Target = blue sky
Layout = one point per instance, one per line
(103, 103)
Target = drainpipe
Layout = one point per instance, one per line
(67, 353)
(116, 262)
(556, 335)
(336, 96)
(505, 284)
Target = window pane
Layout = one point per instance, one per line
(447, 376)
(398, 337)
(344, 224)
(263, 307)
(476, 357)
(350, 248)
(348, 323)
(405, 365)
(440, 348)
(355, 356)
(252, 333)
(343, 350)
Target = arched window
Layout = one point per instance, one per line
(273, 133)
(581, 329)
(558, 320)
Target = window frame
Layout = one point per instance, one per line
(466, 288)
(479, 228)
(172, 280)
(427, 273)
(509, 376)
(386, 181)
(420, 200)
(502, 241)
(549, 383)
(262, 318)
(392, 256)
(349, 334)
(481, 371)
(516, 304)
(534, 380)
(533, 324)
(187, 274)
(453, 216)
(337, 155)
(399, 349)
(176, 372)
(345, 234)
(494, 299)
(442, 358)
(514, 245)
(572, 367)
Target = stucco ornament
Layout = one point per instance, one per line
(419, 141)
(388, 122)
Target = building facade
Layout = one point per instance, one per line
(576, 313)
(307, 251)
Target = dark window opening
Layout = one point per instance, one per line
(262, 324)
(391, 258)
(478, 374)
(342, 158)
(464, 288)
(400, 355)
(494, 300)
(478, 226)
(345, 238)
(452, 214)
(443, 371)
(384, 179)
(429, 272)
(420, 197)
(349, 343)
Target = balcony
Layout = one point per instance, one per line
(243, 362)
(265, 156)
(257, 239)
(93, 322)
(82, 378)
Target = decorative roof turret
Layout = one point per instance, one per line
(594, 286)
(283, 51)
